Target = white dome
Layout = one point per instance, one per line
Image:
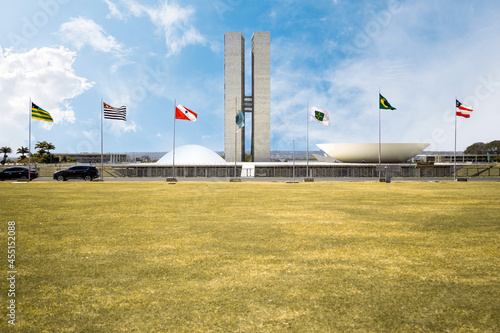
(192, 154)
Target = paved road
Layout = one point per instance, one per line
(268, 179)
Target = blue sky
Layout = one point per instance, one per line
(335, 55)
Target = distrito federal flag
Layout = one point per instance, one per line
(182, 112)
(464, 111)
(115, 113)
(319, 116)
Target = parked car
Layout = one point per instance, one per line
(17, 173)
(86, 172)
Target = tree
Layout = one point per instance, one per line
(480, 148)
(5, 151)
(41, 148)
(22, 151)
(494, 147)
(66, 158)
(49, 146)
(45, 147)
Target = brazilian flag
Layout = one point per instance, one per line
(384, 104)
(39, 113)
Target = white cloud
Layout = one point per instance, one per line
(47, 76)
(81, 32)
(171, 20)
(118, 128)
(419, 68)
(113, 10)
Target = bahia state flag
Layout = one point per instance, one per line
(319, 116)
(115, 113)
(39, 113)
(464, 111)
(384, 104)
(182, 112)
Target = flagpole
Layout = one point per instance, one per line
(379, 134)
(173, 149)
(102, 142)
(29, 143)
(293, 168)
(235, 137)
(455, 149)
(307, 156)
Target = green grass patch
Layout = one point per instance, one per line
(254, 257)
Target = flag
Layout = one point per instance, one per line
(384, 104)
(319, 116)
(182, 112)
(115, 113)
(39, 113)
(463, 111)
(240, 119)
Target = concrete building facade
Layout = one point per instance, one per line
(261, 97)
(257, 105)
(234, 93)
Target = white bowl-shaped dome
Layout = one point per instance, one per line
(368, 152)
(192, 155)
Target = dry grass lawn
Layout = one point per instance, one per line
(254, 257)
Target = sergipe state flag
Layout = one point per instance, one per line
(182, 112)
(115, 113)
(384, 103)
(464, 111)
(39, 113)
(319, 116)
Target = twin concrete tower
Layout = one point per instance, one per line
(257, 105)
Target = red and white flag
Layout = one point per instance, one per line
(464, 111)
(182, 112)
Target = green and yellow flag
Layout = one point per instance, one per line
(39, 113)
(384, 104)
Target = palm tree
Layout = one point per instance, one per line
(22, 151)
(49, 147)
(5, 151)
(41, 148)
(44, 147)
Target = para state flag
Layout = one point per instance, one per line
(319, 116)
(182, 112)
(384, 104)
(464, 111)
(39, 113)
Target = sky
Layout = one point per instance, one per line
(336, 55)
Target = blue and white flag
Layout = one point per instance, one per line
(240, 119)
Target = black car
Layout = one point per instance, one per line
(17, 173)
(86, 172)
